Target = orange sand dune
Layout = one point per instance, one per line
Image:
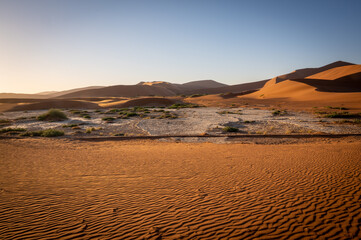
(62, 189)
(297, 91)
(337, 72)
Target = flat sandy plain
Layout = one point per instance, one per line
(70, 189)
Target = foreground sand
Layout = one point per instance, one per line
(64, 189)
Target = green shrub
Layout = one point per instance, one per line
(279, 113)
(43, 133)
(131, 114)
(183, 105)
(342, 115)
(70, 125)
(52, 115)
(108, 119)
(5, 130)
(230, 129)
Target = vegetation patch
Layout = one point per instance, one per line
(12, 130)
(342, 115)
(279, 113)
(43, 133)
(230, 129)
(349, 121)
(229, 112)
(338, 108)
(52, 115)
(183, 105)
(70, 125)
(108, 119)
(168, 116)
(4, 122)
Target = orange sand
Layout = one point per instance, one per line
(62, 189)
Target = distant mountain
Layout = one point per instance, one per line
(157, 88)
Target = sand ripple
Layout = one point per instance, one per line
(60, 189)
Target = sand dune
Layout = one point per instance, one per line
(153, 190)
(339, 85)
(148, 102)
(303, 73)
(337, 72)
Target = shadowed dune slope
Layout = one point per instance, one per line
(305, 72)
(146, 102)
(230, 89)
(47, 104)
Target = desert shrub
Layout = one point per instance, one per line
(5, 130)
(90, 130)
(338, 108)
(69, 125)
(43, 133)
(342, 115)
(228, 112)
(75, 111)
(118, 134)
(52, 115)
(87, 116)
(230, 129)
(51, 133)
(279, 112)
(131, 114)
(183, 105)
(108, 119)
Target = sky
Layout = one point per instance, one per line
(56, 45)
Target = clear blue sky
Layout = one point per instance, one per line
(63, 44)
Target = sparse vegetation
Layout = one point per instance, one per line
(349, 121)
(69, 125)
(43, 133)
(14, 130)
(118, 134)
(230, 129)
(338, 108)
(108, 119)
(4, 122)
(167, 115)
(229, 112)
(183, 105)
(52, 115)
(249, 121)
(342, 115)
(90, 130)
(279, 113)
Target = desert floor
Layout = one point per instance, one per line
(66, 189)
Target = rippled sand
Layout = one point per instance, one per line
(64, 189)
